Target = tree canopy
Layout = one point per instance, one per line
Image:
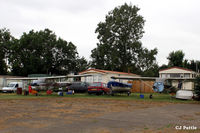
(5, 41)
(119, 46)
(176, 58)
(42, 52)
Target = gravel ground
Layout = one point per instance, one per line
(88, 115)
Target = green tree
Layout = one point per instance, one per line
(119, 46)
(192, 64)
(81, 64)
(65, 57)
(5, 41)
(176, 58)
(41, 52)
(163, 66)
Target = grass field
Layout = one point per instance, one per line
(134, 96)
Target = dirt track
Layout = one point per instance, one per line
(87, 115)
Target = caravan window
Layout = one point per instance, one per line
(99, 78)
(186, 75)
(175, 75)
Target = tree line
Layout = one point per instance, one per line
(119, 49)
(176, 58)
(38, 52)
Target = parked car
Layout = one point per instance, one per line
(98, 88)
(79, 87)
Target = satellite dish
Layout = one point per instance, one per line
(158, 86)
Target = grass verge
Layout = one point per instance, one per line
(134, 96)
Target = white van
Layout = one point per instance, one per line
(12, 87)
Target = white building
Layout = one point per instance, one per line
(179, 72)
(103, 75)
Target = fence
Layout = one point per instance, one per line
(142, 86)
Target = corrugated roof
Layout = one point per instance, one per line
(107, 71)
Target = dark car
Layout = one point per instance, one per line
(79, 87)
(98, 88)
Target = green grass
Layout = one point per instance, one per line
(169, 126)
(134, 96)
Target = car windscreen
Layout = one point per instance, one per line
(11, 85)
(95, 84)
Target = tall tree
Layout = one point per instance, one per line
(5, 41)
(119, 46)
(176, 58)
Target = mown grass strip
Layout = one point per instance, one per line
(134, 96)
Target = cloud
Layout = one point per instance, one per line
(170, 24)
(71, 6)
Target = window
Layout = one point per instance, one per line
(186, 75)
(11, 85)
(89, 79)
(16, 85)
(95, 78)
(175, 75)
(165, 75)
(99, 78)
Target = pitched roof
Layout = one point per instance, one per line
(107, 71)
(176, 68)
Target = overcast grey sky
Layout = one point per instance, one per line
(170, 24)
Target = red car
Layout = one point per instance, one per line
(98, 88)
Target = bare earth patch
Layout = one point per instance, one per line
(90, 115)
(197, 113)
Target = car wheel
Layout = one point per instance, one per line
(111, 93)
